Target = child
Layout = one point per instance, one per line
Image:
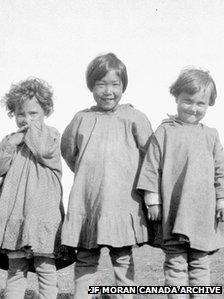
(183, 175)
(104, 146)
(31, 210)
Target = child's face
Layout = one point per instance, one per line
(29, 111)
(192, 108)
(107, 92)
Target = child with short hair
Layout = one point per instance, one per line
(104, 147)
(183, 179)
(31, 208)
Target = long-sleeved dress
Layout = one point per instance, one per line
(31, 209)
(185, 165)
(105, 150)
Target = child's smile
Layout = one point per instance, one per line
(107, 92)
(192, 108)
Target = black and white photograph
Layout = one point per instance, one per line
(111, 149)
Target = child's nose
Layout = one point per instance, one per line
(26, 120)
(108, 89)
(193, 108)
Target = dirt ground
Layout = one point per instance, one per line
(148, 266)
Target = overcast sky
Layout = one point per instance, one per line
(55, 40)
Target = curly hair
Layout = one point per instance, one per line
(26, 90)
(191, 80)
(102, 64)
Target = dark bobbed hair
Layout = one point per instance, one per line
(26, 90)
(191, 80)
(99, 67)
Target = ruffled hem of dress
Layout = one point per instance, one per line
(109, 230)
(42, 237)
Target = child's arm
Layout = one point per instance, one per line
(153, 205)
(220, 210)
(69, 149)
(44, 143)
(150, 177)
(142, 132)
(219, 178)
(17, 138)
(8, 147)
(7, 151)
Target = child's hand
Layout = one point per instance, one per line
(16, 138)
(220, 215)
(154, 212)
(153, 205)
(23, 129)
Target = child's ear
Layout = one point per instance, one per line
(211, 102)
(49, 113)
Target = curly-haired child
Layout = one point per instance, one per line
(31, 209)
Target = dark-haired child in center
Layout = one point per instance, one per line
(104, 147)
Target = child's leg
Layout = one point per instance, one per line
(85, 271)
(17, 278)
(175, 268)
(47, 277)
(123, 265)
(199, 270)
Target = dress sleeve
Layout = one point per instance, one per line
(7, 152)
(142, 131)
(69, 148)
(151, 171)
(219, 168)
(44, 143)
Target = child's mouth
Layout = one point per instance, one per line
(107, 99)
(191, 112)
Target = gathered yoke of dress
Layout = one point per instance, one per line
(105, 150)
(185, 165)
(31, 208)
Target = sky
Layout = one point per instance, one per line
(56, 40)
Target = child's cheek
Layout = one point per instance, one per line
(201, 111)
(186, 106)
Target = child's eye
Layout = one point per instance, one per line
(186, 101)
(100, 84)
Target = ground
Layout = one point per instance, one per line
(148, 264)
